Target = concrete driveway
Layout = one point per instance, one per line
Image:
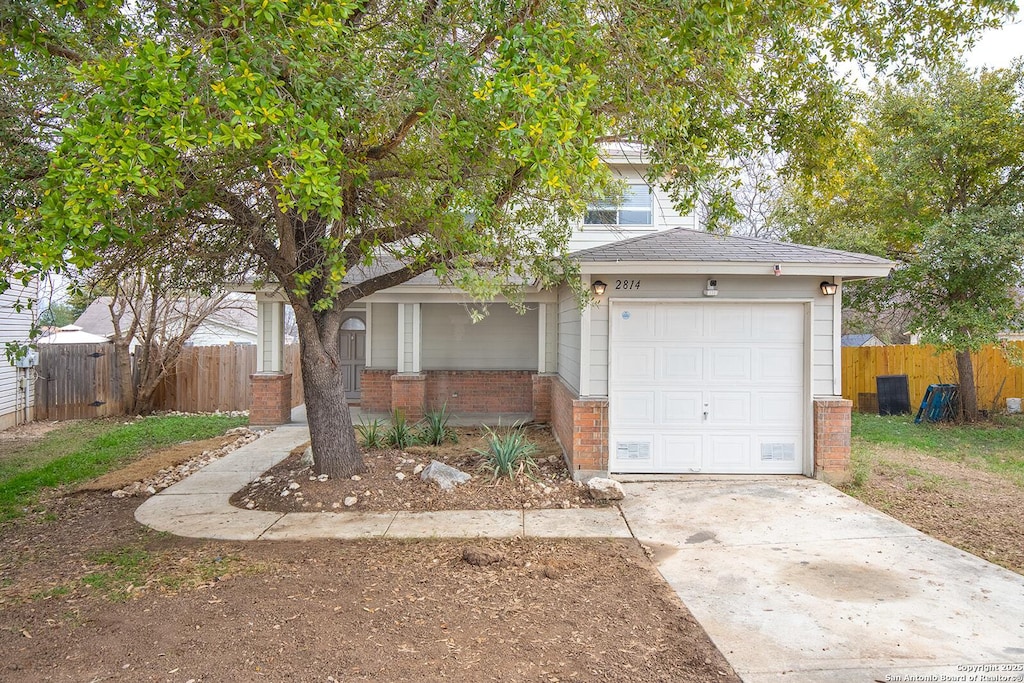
(795, 581)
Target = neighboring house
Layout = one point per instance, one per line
(700, 353)
(71, 334)
(233, 323)
(861, 340)
(16, 384)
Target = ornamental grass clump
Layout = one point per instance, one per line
(402, 434)
(435, 430)
(372, 433)
(509, 453)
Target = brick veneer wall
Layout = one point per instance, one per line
(581, 427)
(375, 391)
(480, 391)
(408, 394)
(463, 391)
(271, 399)
(832, 439)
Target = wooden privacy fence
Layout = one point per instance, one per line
(996, 378)
(77, 381)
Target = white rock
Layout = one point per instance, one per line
(285, 493)
(250, 505)
(600, 488)
(399, 476)
(417, 469)
(335, 506)
(350, 501)
(119, 494)
(356, 477)
(445, 476)
(294, 485)
(322, 477)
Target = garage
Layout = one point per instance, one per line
(708, 387)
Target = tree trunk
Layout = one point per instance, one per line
(336, 452)
(968, 390)
(125, 378)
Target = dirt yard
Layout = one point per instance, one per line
(967, 507)
(87, 594)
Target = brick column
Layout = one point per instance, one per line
(542, 398)
(409, 394)
(271, 399)
(832, 439)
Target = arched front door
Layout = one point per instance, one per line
(352, 352)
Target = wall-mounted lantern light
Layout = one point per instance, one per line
(829, 288)
(598, 288)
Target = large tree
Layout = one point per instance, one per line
(934, 179)
(455, 136)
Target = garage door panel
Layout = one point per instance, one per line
(728, 364)
(681, 453)
(728, 322)
(729, 408)
(728, 453)
(634, 322)
(633, 452)
(780, 364)
(681, 323)
(779, 407)
(633, 407)
(682, 364)
(633, 364)
(681, 408)
(779, 452)
(778, 323)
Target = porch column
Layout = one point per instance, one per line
(271, 386)
(409, 385)
(542, 380)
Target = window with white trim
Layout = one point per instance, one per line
(635, 208)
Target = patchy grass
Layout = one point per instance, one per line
(997, 446)
(87, 449)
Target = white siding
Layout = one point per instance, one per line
(665, 216)
(569, 338)
(384, 336)
(735, 287)
(502, 340)
(14, 327)
(551, 349)
(214, 334)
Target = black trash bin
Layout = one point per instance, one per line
(893, 394)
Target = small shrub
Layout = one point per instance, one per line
(372, 433)
(509, 453)
(401, 434)
(436, 431)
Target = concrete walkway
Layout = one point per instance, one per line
(198, 507)
(795, 581)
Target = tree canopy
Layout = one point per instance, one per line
(935, 180)
(309, 137)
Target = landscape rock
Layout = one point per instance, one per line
(417, 469)
(172, 475)
(399, 476)
(481, 557)
(445, 476)
(350, 501)
(599, 488)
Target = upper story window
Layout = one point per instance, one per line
(635, 208)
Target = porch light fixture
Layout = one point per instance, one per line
(829, 288)
(598, 288)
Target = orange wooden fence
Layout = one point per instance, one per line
(997, 377)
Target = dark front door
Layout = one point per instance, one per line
(353, 353)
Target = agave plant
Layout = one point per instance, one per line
(509, 453)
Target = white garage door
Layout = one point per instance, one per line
(706, 387)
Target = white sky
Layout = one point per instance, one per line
(998, 47)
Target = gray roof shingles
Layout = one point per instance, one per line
(681, 244)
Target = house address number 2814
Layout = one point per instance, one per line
(627, 284)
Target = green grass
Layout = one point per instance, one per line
(997, 445)
(85, 450)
